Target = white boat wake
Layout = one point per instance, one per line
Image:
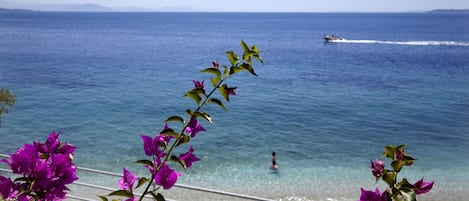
(420, 43)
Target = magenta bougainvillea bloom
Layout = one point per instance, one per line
(127, 181)
(47, 167)
(194, 127)
(231, 91)
(372, 196)
(377, 168)
(8, 189)
(150, 145)
(399, 154)
(198, 84)
(421, 187)
(215, 65)
(166, 177)
(189, 157)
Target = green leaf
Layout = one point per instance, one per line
(401, 147)
(408, 160)
(214, 71)
(389, 151)
(226, 71)
(404, 184)
(259, 58)
(215, 81)
(145, 162)
(223, 93)
(249, 68)
(194, 95)
(234, 59)
(185, 139)
(177, 160)
(257, 54)
(169, 132)
(247, 51)
(123, 193)
(204, 115)
(142, 181)
(388, 177)
(218, 102)
(235, 69)
(103, 198)
(189, 113)
(175, 118)
(397, 165)
(198, 91)
(158, 197)
(249, 60)
(244, 46)
(248, 55)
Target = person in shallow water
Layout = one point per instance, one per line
(274, 162)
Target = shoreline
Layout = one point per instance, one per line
(319, 188)
(347, 189)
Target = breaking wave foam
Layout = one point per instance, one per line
(421, 43)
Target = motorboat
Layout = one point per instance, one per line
(332, 38)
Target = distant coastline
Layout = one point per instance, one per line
(16, 10)
(100, 8)
(449, 11)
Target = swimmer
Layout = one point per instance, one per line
(274, 162)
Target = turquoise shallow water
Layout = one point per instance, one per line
(103, 79)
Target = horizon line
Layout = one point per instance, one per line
(251, 12)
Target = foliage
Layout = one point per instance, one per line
(6, 99)
(45, 169)
(397, 191)
(160, 148)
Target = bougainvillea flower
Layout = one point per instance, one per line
(215, 65)
(421, 187)
(230, 90)
(377, 168)
(47, 165)
(150, 145)
(194, 127)
(7, 188)
(372, 196)
(166, 177)
(399, 154)
(52, 143)
(23, 161)
(189, 157)
(198, 84)
(64, 170)
(127, 181)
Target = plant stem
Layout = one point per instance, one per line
(181, 135)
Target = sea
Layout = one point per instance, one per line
(326, 109)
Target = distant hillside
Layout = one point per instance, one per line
(85, 8)
(15, 10)
(449, 11)
(63, 8)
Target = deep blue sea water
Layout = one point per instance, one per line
(103, 79)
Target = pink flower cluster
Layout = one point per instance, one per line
(46, 169)
(377, 168)
(165, 176)
(398, 156)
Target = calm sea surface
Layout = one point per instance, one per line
(103, 79)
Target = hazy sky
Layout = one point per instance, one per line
(263, 5)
